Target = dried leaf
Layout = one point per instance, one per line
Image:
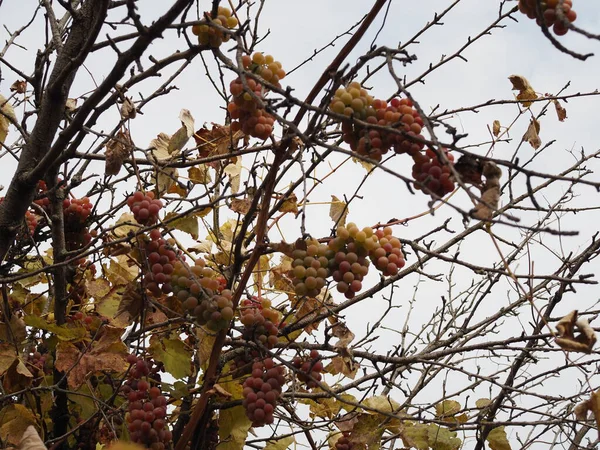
(496, 128)
(526, 92)
(381, 403)
(31, 440)
(566, 327)
(338, 211)
(109, 353)
(17, 378)
(6, 112)
(117, 150)
(165, 178)
(498, 440)
(71, 105)
(128, 109)
(177, 188)
(217, 140)
(234, 171)
(19, 86)
(415, 435)
(490, 197)
(199, 174)
(483, 402)
(367, 165)
(470, 169)
(240, 205)
(159, 147)
(447, 408)
(560, 111)
(290, 204)
(531, 135)
(183, 134)
(130, 306)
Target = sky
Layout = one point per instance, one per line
(294, 30)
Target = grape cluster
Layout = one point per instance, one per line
(32, 221)
(433, 176)
(388, 257)
(201, 295)
(39, 364)
(144, 207)
(399, 116)
(310, 267)
(343, 443)
(76, 214)
(264, 66)
(350, 263)
(211, 36)
(147, 408)
(261, 391)
(245, 112)
(550, 14)
(309, 369)
(43, 199)
(160, 256)
(260, 324)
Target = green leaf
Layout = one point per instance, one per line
(415, 435)
(233, 428)
(498, 440)
(187, 224)
(280, 444)
(174, 354)
(64, 333)
(441, 438)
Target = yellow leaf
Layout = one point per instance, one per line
(447, 408)
(526, 92)
(233, 428)
(159, 147)
(14, 420)
(338, 211)
(183, 134)
(367, 165)
(187, 224)
(531, 135)
(290, 204)
(165, 178)
(63, 332)
(483, 402)
(6, 110)
(280, 444)
(381, 403)
(415, 435)
(441, 438)
(497, 439)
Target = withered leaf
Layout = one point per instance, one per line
(217, 140)
(117, 150)
(241, 205)
(531, 135)
(338, 211)
(566, 327)
(496, 128)
(526, 92)
(560, 111)
(490, 193)
(19, 86)
(128, 109)
(290, 204)
(593, 405)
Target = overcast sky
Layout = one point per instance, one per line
(297, 28)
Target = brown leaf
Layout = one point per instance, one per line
(131, 304)
(566, 327)
(218, 389)
(15, 419)
(217, 140)
(496, 128)
(560, 111)
(117, 150)
(470, 169)
(240, 205)
(199, 175)
(128, 109)
(107, 354)
(593, 405)
(490, 196)
(344, 365)
(17, 378)
(19, 86)
(531, 135)
(31, 440)
(526, 92)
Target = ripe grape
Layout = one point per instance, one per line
(433, 176)
(260, 324)
(160, 259)
(144, 207)
(32, 221)
(262, 390)
(211, 36)
(387, 257)
(245, 112)
(265, 66)
(344, 443)
(550, 16)
(309, 369)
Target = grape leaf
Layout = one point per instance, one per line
(15, 419)
(531, 135)
(526, 92)
(497, 439)
(338, 211)
(187, 224)
(174, 354)
(233, 428)
(496, 128)
(280, 444)
(441, 438)
(447, 408)
(6, 110)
